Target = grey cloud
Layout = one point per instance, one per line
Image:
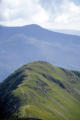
(51, 14)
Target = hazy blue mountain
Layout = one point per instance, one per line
(73, 32)
(20, 45)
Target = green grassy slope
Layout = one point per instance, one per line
(39, 90)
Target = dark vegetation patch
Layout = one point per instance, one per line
(41, 83)
(31, 118)
(27, 68)
(8, 106)
(40, 86)
(74, 93)
(76, 73)
(9, 103)
(74, 80)
(53, 80)
(31, 94)
(11, 85)
(71, 77)
(66, 72)
(45, 64)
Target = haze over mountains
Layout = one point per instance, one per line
(20, 45)
(39, 90)
(73, 32)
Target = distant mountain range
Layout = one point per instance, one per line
(39, 90)
(19, 45)
(73, 32)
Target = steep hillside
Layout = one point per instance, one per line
(19, 45)
(39, 90)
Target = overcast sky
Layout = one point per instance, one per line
(51, 14)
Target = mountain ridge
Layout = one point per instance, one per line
(72, 32)
(19, 45)
(37, 26)
(39, 90)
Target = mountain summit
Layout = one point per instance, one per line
(39, 90)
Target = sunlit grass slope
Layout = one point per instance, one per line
(39, 90)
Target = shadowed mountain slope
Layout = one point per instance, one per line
(39, 90)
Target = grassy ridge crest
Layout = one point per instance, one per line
(39, 90)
